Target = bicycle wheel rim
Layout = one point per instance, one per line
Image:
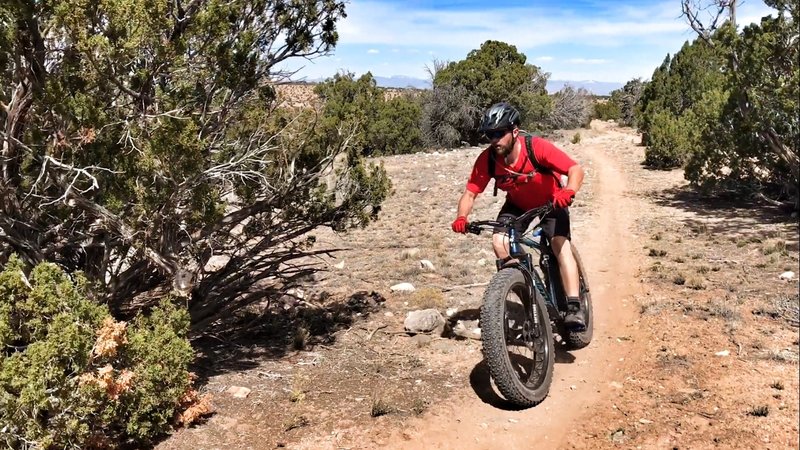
(527, 345)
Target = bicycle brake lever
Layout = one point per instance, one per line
(473, 229)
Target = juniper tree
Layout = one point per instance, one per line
(754, 140)
(139, 138)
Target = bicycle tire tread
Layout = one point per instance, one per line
(494, 343)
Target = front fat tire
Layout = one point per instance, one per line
(579, 339)
(493, 336)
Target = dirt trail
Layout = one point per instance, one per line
(580, 378)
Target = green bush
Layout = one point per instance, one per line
(379, 127)
(72, 377)
(397, 128)
(496, 72)
(669, 142)
(606, 110)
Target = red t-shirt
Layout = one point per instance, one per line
(523, 191)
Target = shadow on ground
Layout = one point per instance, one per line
(480, 380)
(726, 215)
(283, 327)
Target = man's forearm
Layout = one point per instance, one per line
(465, 204)
(575, 178)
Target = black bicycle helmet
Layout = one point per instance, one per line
(501, 116)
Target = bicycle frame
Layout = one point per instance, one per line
(549, 284)
(550, 287)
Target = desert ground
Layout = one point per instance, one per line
(695, 345)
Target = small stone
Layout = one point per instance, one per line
(403, 287)
(388, 314)
(723, 353)
(426, 265)
(238, 391)
(616, 385)
(645, 421)
(573, 387)
(423, 321)
(787, 276)
(339, 265)
(451, 311)
(216, 262)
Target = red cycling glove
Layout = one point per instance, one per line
(563, 198)
(460, 225)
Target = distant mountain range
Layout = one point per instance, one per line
(595, 87)
(400, 81)
(553, 86)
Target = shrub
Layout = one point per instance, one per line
(668, 142)
(572, 108)
(494, 72)
(606, 110)
(379, 127)
(73, 377)
(447, 112)
(397, 128)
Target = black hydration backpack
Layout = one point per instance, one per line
(531, 156)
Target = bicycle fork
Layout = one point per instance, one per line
(532, 313)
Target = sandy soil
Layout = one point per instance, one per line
(677, 280)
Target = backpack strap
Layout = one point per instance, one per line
(531, 157)
(492, 164)
(535, 162)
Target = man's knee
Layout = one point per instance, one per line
(500, 244)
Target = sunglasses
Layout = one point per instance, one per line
(495, 134)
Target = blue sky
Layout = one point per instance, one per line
(602, 40)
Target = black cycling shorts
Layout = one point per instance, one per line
(555, 223)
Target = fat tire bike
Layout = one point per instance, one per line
(522, 305)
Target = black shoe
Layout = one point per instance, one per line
(575, 319)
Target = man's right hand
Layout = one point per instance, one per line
(460, 225)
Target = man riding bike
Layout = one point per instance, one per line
(529, 170)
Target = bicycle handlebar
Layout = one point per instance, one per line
(478, 226)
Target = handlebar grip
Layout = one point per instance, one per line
(473, 229)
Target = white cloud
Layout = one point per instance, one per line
(586, 61)
(635, 36)
(372, 22)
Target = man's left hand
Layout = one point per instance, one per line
(563, 198)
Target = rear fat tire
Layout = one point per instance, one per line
(493, 336)
(579, 339)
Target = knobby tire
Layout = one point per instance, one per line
(523, 386)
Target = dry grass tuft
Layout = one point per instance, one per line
(774, 246)
(426, 298)
(759, 411)
(381, 407)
